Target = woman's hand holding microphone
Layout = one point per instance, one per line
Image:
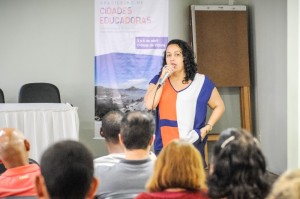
(166, 72)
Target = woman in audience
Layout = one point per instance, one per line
(238, 167)
(287, 186)
(178, 173)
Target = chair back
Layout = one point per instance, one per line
(2, 168)
(32, 161)
(1, 96)
(39, 93)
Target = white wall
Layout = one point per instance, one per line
(269, 40)
(268, 65)
(53, 41)
(293, 84)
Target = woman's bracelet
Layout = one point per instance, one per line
(211, 127)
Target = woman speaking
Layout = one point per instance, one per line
(180, 96)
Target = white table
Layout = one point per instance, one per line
(42, 123)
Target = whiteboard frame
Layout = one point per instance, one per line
(195, 8)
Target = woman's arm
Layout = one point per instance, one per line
(148, 99)
(217, 105)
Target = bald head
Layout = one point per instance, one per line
(14, 148)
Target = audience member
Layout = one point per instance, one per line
(18, 179)
(178, 173)
(110, 130)
(111, 126)
(238, 167)
(287, 186)
(67, 172)
(131, 173)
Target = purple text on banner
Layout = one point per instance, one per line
(151, 42)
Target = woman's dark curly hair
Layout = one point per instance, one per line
(190, 65)
(239, 167)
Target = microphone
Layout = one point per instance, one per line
(162, 80)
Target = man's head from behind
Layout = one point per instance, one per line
(111, 124)
(14, 148)
(67, 172)
(137, 130)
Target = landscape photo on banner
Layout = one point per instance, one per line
(130, 39)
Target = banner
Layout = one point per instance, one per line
(130, 38)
